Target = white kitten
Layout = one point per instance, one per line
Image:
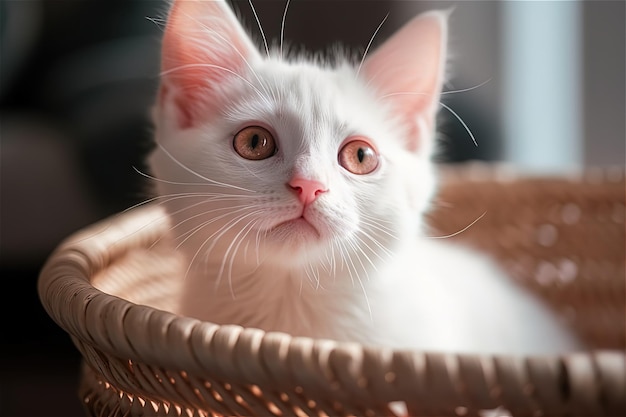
(296, 189)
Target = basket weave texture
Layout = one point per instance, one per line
(112, 285)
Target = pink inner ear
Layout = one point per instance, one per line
(203, 45)
(408, 71)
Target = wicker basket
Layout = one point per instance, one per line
(110, 287)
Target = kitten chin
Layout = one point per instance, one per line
(308, 234)
(296, 234)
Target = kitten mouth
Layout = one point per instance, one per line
(299, 225)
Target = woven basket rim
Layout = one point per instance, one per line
(122, 329)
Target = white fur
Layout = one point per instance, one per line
(365, 272)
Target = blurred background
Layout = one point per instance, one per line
(539, 84)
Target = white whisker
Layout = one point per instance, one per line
(183, 166)
(166, 198)
(150, 177)
(355, 249)
(318, 278)
(404, 93)
(191, 232)
(282, 28)
(460, 231)
(238, 52)
(221, 234)
(369, 260)
(345, 256)
(258, 22)
(369, 44)
(375, 225)
(333, 260)
(201, 65)
(236, 242)
(408, 93)
(258, 246)
(239, 238)
(189, 218)
(159, 22)
(461, 121)
(221, 231)
(229, 210)
(358, 277)
(379, 245)
(310, 274)
(463, 90)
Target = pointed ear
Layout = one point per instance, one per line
(408, 72)
(204, 44)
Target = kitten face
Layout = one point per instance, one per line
(269, 160)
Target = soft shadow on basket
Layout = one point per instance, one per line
(110, 288)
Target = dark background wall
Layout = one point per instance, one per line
(76, 81)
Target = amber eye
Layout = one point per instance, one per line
(358, 157)
(255, 143)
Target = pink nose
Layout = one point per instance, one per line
(307, 190)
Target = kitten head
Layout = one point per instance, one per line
(293, 159)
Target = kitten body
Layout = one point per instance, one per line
(309, 239)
